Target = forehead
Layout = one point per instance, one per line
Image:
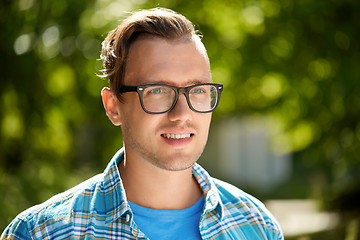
(158, 60)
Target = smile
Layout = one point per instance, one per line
(176, 136)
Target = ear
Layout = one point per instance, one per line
(111, 105)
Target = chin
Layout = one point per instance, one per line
(177, 162)
(175, 167)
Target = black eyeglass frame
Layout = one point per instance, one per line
(178, 90)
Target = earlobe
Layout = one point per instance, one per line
(111, 105)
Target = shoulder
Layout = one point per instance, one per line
(232, 194)
(54, 212)
(64, 203)
(241, 207)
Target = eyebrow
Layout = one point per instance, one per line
(187, 83)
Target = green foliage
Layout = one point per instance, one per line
(293, 61)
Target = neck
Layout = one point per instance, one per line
(152, 187)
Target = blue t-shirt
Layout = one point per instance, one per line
(169, 224)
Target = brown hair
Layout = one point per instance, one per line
(158, 22)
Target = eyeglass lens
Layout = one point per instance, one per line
(158, 99)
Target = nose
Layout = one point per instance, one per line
(181, 111)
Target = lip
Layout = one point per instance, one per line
(182, 138)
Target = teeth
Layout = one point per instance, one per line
(176, 136)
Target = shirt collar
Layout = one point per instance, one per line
(117, 205)
(212, 197)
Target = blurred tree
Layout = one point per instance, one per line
(53, 131)
(293, 61)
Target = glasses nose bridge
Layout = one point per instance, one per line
(179, 91)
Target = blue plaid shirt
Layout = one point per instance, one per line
(98, 209)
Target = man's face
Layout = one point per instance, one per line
(173, 140)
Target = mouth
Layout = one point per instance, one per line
(177, 136)
(178, 140)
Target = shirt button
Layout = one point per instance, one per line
(127, 217)
(213, 201)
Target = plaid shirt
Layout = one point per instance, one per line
(98, 209)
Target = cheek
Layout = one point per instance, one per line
(130, 109)
(207, 119)
(204, 122)
(139, 121)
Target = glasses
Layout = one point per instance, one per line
(160, 98)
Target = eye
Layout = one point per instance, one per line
(158, 90)
(198, 90)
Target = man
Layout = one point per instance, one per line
(162, 96)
